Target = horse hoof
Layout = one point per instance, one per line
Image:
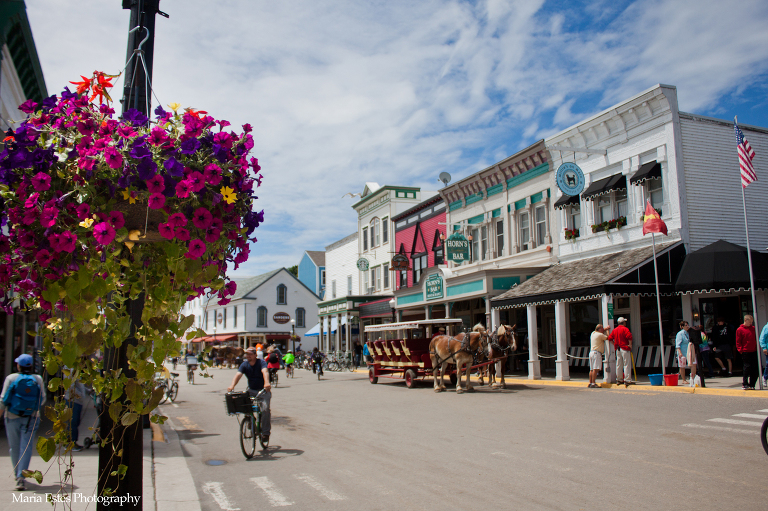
(470, 389)
(459, 391)
(503, 386)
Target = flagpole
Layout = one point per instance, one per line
(751, 281)
(658, 305)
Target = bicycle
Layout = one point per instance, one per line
(764, 435)
(250, 425)
(273, 377)
(319, 367)
(289, 371)
(191, 373)
(170, 388)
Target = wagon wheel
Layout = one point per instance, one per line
(372, 377)
(454, 378)
(410, 378)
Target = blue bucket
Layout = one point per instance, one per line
(657, 380)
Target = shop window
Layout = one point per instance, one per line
(261, 317)
(499, 238)
(419, 265)
(541, 225)
(524, 221)
(611, 206)
(403, 279)
(333, 289)
(301, 315)
(574, 216)
(655, 192)
(475, 244)
(671, 315)
(584, 316)
(282, 294)
(385, 274)
(366, 290)
(437, 248)
(484, 242)
(349, 285)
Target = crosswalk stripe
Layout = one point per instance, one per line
(766, 410)
(214, 490)
(314, 483)
(274, 496)
(750, 416)
(734, 421)
(721, 428)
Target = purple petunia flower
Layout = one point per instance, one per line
(28, 106)
(117, 219)
(156, 201)
(135, 117)
(49, 216)
(156, 184)
(146, 169)
(177, 220)
(189, 146)
(174, 168)
(113, 157)
(202, 218)
(196, 249)
(181, 234)
(166, 231)
(140, 152)
(104, 233)
(83, 211)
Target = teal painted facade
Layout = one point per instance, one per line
(405, 300)
(467, 287)
(505, 282)
(530, 174)
(475, 220)
(455, 205)
(493, 190)
(471, 199)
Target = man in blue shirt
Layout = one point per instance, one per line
(255, 371)
(682, 340)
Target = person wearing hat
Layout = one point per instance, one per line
(622, 340)
(440, 331)
(20, 396)
(255, 370)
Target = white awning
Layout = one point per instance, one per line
(405, 325)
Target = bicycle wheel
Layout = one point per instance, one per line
(174, 392)
(276, 378)
(165, 394)
(351, 367)
(248, 436)
(764, 435)
(264, 443)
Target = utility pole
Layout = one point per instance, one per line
(129, 440)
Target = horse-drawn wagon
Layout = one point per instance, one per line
(412, 350)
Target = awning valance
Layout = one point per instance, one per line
(603, 186)
(567, 200)
(721, 266)
(650, 170)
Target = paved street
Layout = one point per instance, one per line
(343, 443)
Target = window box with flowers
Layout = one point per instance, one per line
(571, 234)
(616, 223)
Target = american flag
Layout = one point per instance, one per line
(746, 155)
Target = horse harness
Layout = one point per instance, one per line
(464, 347)
(494, 343)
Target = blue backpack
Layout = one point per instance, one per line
(23, 397)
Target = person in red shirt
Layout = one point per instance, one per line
(622, 339)
(746, 344)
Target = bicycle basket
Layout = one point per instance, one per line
(238, 402)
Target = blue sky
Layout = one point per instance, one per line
(345, 92)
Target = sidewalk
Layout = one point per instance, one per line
(718, 386)
(168, 484)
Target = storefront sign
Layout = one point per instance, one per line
(610, 311)
(362, 264)
(434, 286)
(457, 248)
(570, 179)
(399, 263)
(281, 317)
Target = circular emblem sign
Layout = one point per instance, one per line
(281, 317)
(362, 264)
(220, 318)
(570, 179)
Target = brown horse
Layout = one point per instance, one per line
(502, 342)
(458, 350)
(227, 353)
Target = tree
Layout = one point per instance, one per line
(295, 270)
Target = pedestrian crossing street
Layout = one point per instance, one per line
(272, 493)
(740, 423)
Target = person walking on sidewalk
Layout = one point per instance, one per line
(622, 339)
(682, 340)
(76, 397)
(358, 354)
(22, 398)
(597, 348)
(746, 344)
(764, 347)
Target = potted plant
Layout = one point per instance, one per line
(571, 234)
(100, 210)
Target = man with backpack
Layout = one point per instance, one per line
(21, 400)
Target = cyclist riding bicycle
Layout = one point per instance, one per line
(317, 360)
(255, 370)
(273, 362)
(289, 359)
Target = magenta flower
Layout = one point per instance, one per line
(83, 211)
(53, 239)
(27, 240)
(125, 131)
(183, 188)
(158, 136)
(44, 258)
(30, 215)
(156, 201)
(117, 220)
(217, 223)
(177, 220)
(41, 181)
(181, 234)
(31, 201)
(28, 106)
(67, 242)
(104, 233)
(212, 174)
(166, 231)
(113, 157)
(48, 218)
(156, 184)
(202, 218)
(196, 180)
(196, 249)
(231, 287)
(212, 235)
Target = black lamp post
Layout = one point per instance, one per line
(293, 336)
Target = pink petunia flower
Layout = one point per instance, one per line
(31, 201)
(67, 242)
(202, 218)
(156, 201)
(196, 249)
(117, 219)
(104, 233)
(30, 215)
(44, 258)
(212, 235)
(83, 211)
(212, 174)
(181, 234)
(166, 231)
(156, 184)
(177, 220)
(196, 181)
(113, 157)
(48, 217)
(41, 181)
(183, 188)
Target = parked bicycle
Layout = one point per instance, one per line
(170, 387)
(241, 403)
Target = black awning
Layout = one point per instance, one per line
(721, 266)
(650, 170)
(567, 200)
(614, 182)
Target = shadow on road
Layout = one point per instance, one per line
(276, 453)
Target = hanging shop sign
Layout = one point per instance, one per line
(434, 286)
(570, 179)
(281, 317)
(457, 248)
(399, 263)
(220, 317)
(363, 264)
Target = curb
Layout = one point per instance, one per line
(174, 487)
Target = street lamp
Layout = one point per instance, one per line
(394, 312)
(293, 335)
